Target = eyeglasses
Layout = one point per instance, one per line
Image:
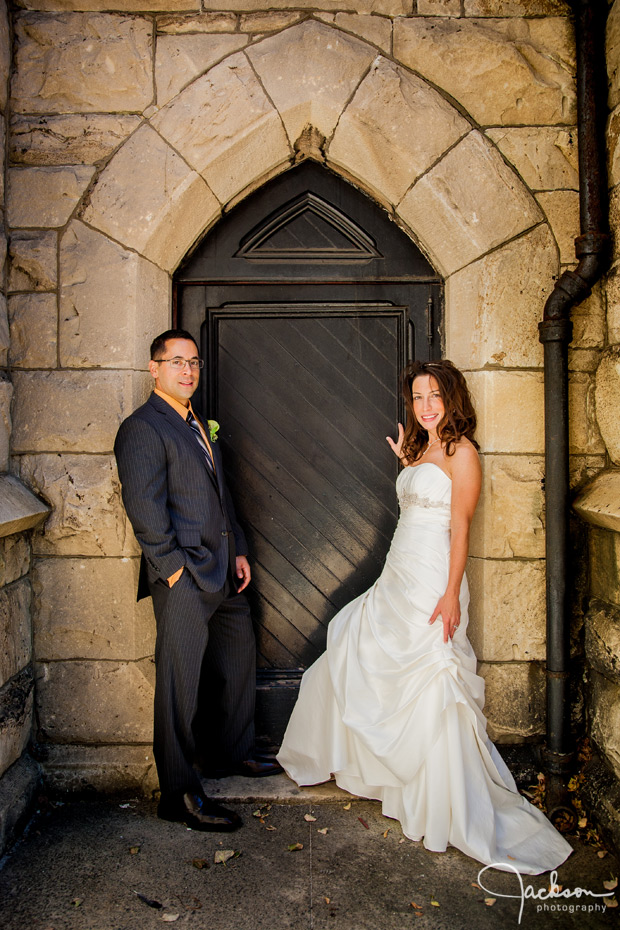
(179, 363)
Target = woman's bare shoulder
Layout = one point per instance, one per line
(465, 455)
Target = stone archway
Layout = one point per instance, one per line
(309, 91)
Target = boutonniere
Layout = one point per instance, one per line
(213, 428)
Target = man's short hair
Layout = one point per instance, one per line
(158, 345)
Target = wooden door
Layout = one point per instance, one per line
(306, 324)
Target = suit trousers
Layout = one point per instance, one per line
(205, 647)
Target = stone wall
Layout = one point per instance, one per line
(134, 125)
(19, 511)
(599, 503)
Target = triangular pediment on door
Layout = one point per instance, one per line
(308, 229)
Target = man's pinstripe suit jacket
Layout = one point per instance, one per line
(181, 514)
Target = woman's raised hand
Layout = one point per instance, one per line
(397, 446)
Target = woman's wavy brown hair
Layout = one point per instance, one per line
(459, 419)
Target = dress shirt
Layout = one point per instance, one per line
(183, 411)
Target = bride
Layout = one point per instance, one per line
(393, 708)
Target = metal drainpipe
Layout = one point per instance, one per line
(555, 332)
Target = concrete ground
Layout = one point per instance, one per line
(304, 859)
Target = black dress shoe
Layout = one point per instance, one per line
(197, 812)
(257, 768)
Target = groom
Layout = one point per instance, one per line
(194, 567)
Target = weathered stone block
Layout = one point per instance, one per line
(608, 401)
(499, 73)
(19, 508)
(33, 320)
(6, 395)
(516, 8)
(3, 150)
(179, 60)
(387, 7)
(599, 502)
(16, 709)
(439, 7)
(515, 700)
(14, 557)
(79, 138)
(614, 220)
(15, 629)
(148, 199)
(112, 302)
(584, 435)
(105, 769)
(467, 204)
(562, 211)
(613, 54)
(126, 6)
(86, 609)
(17, 793)
(45, 196)
(82, 62)
(89, 407)
(33, 261)
(310, 72)
(509, 520)
(4, 333)
(584, 468)
(613, 147)
(602, 624)
(172, 24)
(507, 609)
(87, 513)
(588, 319)
(613, 304)
(520, 276)
(545, 157)
(510, 406)
(374, 29)
(378, 136)
(605, 719)
(96, 702)
(5, 55)
(224, 105)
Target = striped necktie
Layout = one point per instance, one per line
(193, 425)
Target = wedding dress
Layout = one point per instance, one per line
(395, 714)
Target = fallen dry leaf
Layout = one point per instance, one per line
(582, 823)
(611, 884)
(295, 846)
(169, 918)
(347, 807)
(134, 850)
(309, 818)
(601, 853)
(610, 902)
(327, 900)
(418, 907)
(76, 902)
(434, 903)
(223, 855)
(200, 864)
(475, 885)
(323, 831)
(386, 833)
(490, 901)
(257, 813)
(269, 827)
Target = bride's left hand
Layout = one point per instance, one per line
(449, 608)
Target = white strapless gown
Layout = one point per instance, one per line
(395, 714)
